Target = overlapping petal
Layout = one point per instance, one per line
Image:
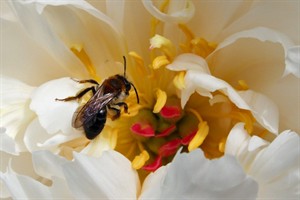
(275, 165)
(193, 176)
(15, 113)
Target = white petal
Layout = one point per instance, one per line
(198, 81)
(292, 61)
(184, 12)
(109, 177)
(47, 164)
(15, 113)
(237, 140)
(24, 187)
(55, 116)
(37, 138)
(188, 61)
(263, 109)
(193, 176)
(107, 140)
(8, 145)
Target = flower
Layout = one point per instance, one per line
(201, 81)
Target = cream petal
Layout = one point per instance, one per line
(181, 12)
(24, 187)
(193, 176)
(198, 81)
(109, 177)
(263, 109)
(212, 18)
(279, 15)
(58, 26)
(15, 113)
(260, 33)
(285, 94)
(188, 61)
(55, 116)
(264, 34)
(23, 59)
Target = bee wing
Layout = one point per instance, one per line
(87, 112)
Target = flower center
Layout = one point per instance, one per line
(154, 130)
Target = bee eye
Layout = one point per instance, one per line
(128, 86)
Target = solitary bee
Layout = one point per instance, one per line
(109, 95)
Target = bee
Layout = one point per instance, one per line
(110, 95)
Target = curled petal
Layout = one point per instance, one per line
(204, 84)
(264, 34)
(188, 61)
(292, 61)
(182, 12)
(263, 109)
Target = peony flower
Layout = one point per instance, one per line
(208, 68)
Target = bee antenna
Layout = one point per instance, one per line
(124, 58)
(137, 95)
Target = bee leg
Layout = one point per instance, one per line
(79, 95)
(86, 81)
(124, 105)
(118, 112)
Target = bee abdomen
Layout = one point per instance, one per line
(95, 126)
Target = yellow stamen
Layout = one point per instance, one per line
(246, 117)
(243, 85)
(161, 99)
(194, 112)
(164, 44)
(160, 61)
(140, 160)
(137, 58)
(202, 47)
(179, 80)
(189, 36)
(188, 33)
(199, 137)
(222, 145)
(79, 51)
